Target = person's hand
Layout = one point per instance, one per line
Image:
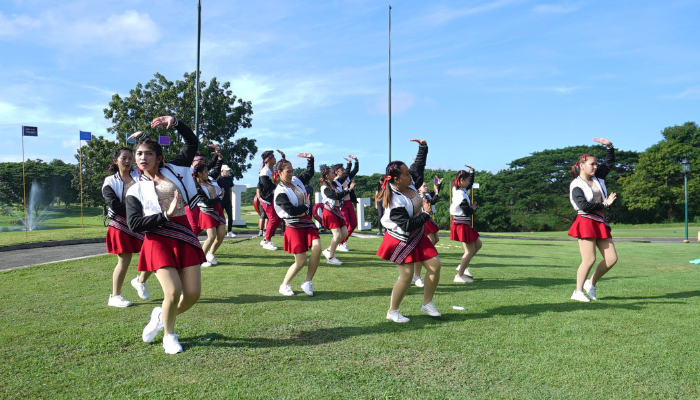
(474, 205)
(426, 205)
(353, 157)
(346, 159)
(135, 135)
(352, 185)
(470, 167)
(604, 142)
(435, 188)
(216, 147)
(419, 141)
(217, 154)
(304, 155)
(307, 199)
(611, 199)
(165, 120)
(282, 154)
(174, 205)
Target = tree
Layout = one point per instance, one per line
(222, 115)
(59, 185)
(95, 158)
(657, 185)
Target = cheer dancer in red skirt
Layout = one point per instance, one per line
(155, 206)
(214, 164)
(211, 214)
(332, 194)
(589, 196)
(405, 243)
(293, 204)
(431, 229)
(462, 209)
(121, 240)
(348, 209)
(267, 191)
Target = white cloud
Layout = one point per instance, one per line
(555, 9)
(692, 93)
(16, 25)
(446, 14)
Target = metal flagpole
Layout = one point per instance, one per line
(390, 83)
(80, 168)
(24, 187)
(196, 84)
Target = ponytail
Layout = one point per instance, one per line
(392, 173)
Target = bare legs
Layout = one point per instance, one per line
(470, 249)
(432, 278)
(588, 256)
(215, 236)
(300, 261)
(181, 289)
(339, 234)
(123, 261)
(418, 266)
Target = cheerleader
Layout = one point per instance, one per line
(211, 214)
(155, 206)
(431, 229)
(267, 191)
(590, 197)
(293, 204)
(462, 209)
(348, 209)
(121, 240)
(405, 242)
(332, 194)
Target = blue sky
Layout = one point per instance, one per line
(485, 82)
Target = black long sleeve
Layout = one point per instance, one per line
(582, 204)
(215, 171)
(354, 171)
(434, 199)
(283, 201)
(135, 219)
(399, 215)
(333, 195)
(113, 201)
(267, 187)
(189, 149)
(470, 180)
(306, 176)
(608, 165)
(466, 208)
(418, 167)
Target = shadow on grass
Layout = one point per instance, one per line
(318, 295)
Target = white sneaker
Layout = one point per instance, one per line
(396, 316)
(462, 279)
(154, 326)
(269, 246)
(230, 234)
(308, 287)
(118, 301)
(467, 272)
(342, 247)
(579, 296)
(141, 288)
(262, 242)
(417, 281)
(206, 264)
(286, 290)
(590, 289)
(171, 344)
(210, 257)
(430, 310)
(334, 261)
(327, 254)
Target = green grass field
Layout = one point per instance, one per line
(520, 336)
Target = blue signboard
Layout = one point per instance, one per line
(164, 140)
(85, 135)
(30, 131)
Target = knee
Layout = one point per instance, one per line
(172, 294)
(611, 260)
(192, 295)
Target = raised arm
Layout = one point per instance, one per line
(306, 176)
(188, 150)
(609, 163)
(418, 167)
(355, 169)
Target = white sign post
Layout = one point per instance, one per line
(361, 204)
(236, 192)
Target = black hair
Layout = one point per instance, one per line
(392, 173)
(266, 154)
(461, 174)
(114, 168)
(575, 169)
(278, 168)
(199, 168)
(325, 171)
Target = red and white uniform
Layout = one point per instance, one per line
(290, 204)
(590, 223)
(120, 239)
(461, 211)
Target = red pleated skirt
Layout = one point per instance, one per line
(463, 233)
(348, 211)
(424, 251)
(431, 227)
(299, 240)
(193, 219)
(206, 222)
(160, 251)
(119, 242)
(330, 221)
(586, 228)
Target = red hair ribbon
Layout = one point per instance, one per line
(110, 166)
(275, 176)
(387, 178)
(583, 157)
(575, 165)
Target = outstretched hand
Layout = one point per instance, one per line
(611, 199)
(346, 159)
(420, 141)
(604, 142)
(470, 167)
(474, 205)
(304, 155)
(352, 185)
(135, 135)
(353, 157)
(174, 205)
(165, 120)
(282, 154)
(216, 147)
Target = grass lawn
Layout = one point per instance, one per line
(520, 336)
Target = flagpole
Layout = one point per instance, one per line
(389, 83)
(196, 83)
(24, 187)
(80, 167)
